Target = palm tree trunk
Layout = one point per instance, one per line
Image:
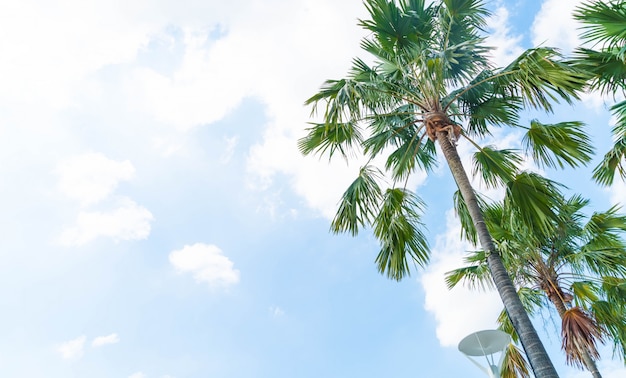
(537, 356)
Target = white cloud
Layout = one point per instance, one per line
(459, 311)
(206, 263)
(554, 25)
(92, 177)
(506, 47)
(72, 349)
(137, 375)
(105, 340)
(128, 221)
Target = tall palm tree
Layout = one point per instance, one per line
(431, 82)
(603, 28)
(578, 269)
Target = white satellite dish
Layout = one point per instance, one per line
(486, 343)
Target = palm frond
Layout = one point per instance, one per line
(398, 27)
(359, 202)
(603, 22)
(329, 138)
(539, 77)
(398, 228)
(606, 69)
(475, 276)
(580, 334)
(585, 293)
(468, 231)
(514, 364)
(554, 145)
(496, 167)
(463, 53)
(611, 316)
(534, 200)
(614, 160)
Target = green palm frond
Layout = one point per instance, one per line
(606, 69)
(463, 53)
(584, 292)
(539, 77)
(554, 145)
(399, 27)
(614, 160)
(468, 231)
(603, 22)
(612, 319)
(475, 276)
(409, 156)
(329, 138)
(496, 167)
(494, 111)
(398, 228)
(514, 364)
(615, 289)
(534, 200)
(359, 203)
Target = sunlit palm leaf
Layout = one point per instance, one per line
(330, 138)
(540, 78)
(535, 200)
(585, 293)
(398, 228)
(615, 159)
(606, 69)
(603, 22)
(496, 167)
(514, 364)
(612, 319)
(558, 144)
(475, 276)
(359, 202)
(468, 231)
(409, 156)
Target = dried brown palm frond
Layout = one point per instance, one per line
(514, 364)
(581, 334)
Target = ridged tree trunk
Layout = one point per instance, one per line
(537, 356)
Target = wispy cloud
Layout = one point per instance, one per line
(72, 349)
(128, 221)
(92, 177)
(105, 340)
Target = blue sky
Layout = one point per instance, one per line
(158, 220)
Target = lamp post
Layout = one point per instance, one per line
(486, 343)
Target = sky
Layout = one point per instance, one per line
(158, 220)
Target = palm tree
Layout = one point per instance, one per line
(577, 269)
(432, 82)
(603, 28)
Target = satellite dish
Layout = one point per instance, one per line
(486, 343)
